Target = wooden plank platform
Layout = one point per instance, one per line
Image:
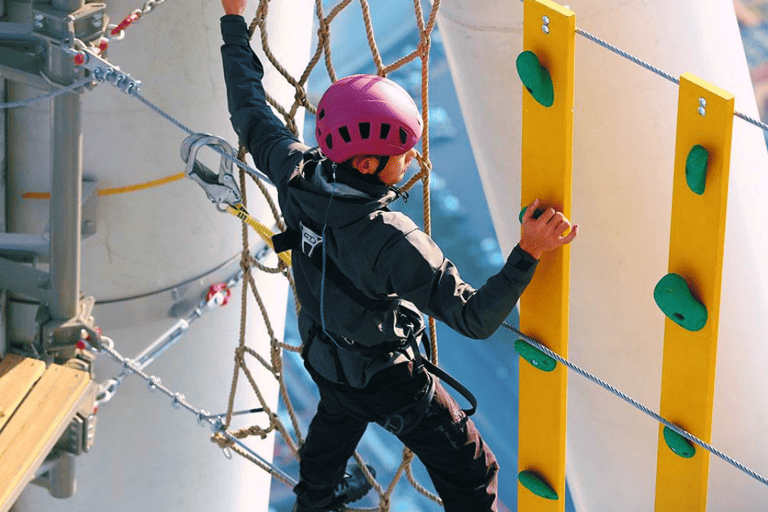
(36, 406)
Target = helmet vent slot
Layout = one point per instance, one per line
(344, 132)
(321, 114)
(329, 141)
(403, 136)
(365, 130)
(384, 131)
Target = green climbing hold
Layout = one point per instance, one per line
(537, 485)
(678, 444)
(536, 213)
(535, 78)
(535, 356)
(675, 300)
(696, 169)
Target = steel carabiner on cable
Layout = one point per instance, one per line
(221, 188)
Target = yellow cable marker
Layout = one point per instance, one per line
(690, 294)
(547, 70)
(263, 231)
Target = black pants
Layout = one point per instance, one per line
(462, 468)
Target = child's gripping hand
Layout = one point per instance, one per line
(234, 6)
(545, 233)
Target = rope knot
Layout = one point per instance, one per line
(222, 441)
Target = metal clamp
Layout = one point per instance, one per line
(88, 59)
(220, 188)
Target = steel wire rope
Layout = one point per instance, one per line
(179, 400)
(57, 92)
(637, 405)
(242, 165)
(658, 71)
(650, 67)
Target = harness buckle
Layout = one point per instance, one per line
(310, 240)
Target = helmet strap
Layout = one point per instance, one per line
(383, 161)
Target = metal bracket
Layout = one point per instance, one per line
(55, 26)
(79, 437)
(16, 32)
(28, 246)
(25, 280)
(103, 71)
(59, 339)
(23, 68)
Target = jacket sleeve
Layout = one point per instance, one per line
(274, 148)
(421, 274)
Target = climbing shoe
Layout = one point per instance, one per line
(351, 488)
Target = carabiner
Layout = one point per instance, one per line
(222, 187)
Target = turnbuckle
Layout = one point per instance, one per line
(221, 188)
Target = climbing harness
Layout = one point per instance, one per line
(306, 243)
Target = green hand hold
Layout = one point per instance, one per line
(535, 78)
(678, 444)
(536, 213)
(696, 169)
(535, 356)
(675, 300)
(537, 485)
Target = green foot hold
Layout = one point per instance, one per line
(678, 444)
(675, 300)
(696, 169)
(535, 78)
(537, 485)
(535, 356)
(536, 213)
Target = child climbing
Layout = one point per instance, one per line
(364, 276)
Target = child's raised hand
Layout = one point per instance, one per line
(234, 6)
(546, 232)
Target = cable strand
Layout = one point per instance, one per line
(638, 405)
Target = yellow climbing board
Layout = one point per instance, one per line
(546, 174)
(704, 124)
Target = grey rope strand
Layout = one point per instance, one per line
(253, 172)
(57, 92)
(131, 366)
(755, 122)
(628, 56)
(638, 405)
(656, 70)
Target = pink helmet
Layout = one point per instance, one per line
(366, 115)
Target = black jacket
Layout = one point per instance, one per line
(382, 252)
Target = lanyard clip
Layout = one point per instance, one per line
(221, 188)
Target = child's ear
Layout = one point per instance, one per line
(365, 164)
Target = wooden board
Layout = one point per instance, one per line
(17, 376)
(36, 425)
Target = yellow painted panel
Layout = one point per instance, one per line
(695, 253)
(36, 426)
(546, 174)
(17, 375)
